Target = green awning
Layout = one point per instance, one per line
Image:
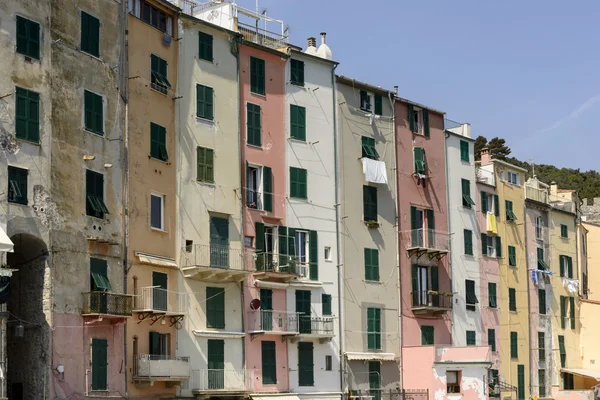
(101, 282)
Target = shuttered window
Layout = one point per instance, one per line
(541, 264)
(512, 256)
(28, 37)
(298, 184)
(313, 255)
(566, 266)
(510, 215)
(297, 72)
(492, 339)
(90, 34)
(492, 301)
(253, 125)
(562, 351)
(471, 338)
(326, 304)
(514, 345)
(572, 311)
(420, 162)
(158, 142)
(471, 297)
(204, 102)
(298, 122)
(267, 189)
(426, 128)
(369, 203)
(563, 311)
(521, 382)
(542, 301)
(99, 364)
(269, 363)
(99, 275)
(484, 202)
(542, 382)
(371, 264)
(374, 328)
(205, 46)
(498, 247)
(541, 346)
(378, 104)
(94, 189)
(94, 112)
(365, 101)
(159, 74)
(464, 151)
(564, 231)
(215, 308)
(368, 148)
(17, 185)
(27, 115)
(427, 335)
(257, 75)
(496, 205)
(306, 373)
(468, 238)
(512, 299)
(467, 201)
(205, 170)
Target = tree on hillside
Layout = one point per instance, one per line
(480, 143)
(498, 149)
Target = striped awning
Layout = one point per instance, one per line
(355, 356)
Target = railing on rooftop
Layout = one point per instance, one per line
(536, 194)
(457, 127)
(262, 36)
(485, 176)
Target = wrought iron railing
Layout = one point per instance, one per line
(426, 239)
(157, 299)
(107, 303)
(433, 299)
(272, 321)
(306, 324)
(222, 379)
(212, 255)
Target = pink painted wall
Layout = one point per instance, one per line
(433, 196)
(417, 367)
(72, 349)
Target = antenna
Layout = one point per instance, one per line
(532, 167)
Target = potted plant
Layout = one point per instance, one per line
(372, 223)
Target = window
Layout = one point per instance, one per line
(257, 75)
(512, 256)
(99, 364)
(564, 231)
(520, 382)
(568, 381)
(493, 383)
(158, 142)
(205, 46)
(303, 311)
(158, 344)
(464, 150)
(467, 201)
(298, 122)
(514, 345)
(365, 101)
(27, 115)
(492, 295)
(157, 204)
(205, 169)
(327, 253)
(328, 363)
(158, 74)
(542, 301)
(298, 184)
(471, 338)
(562, 351)
(155, 17)
(378, 104)
(539, 225)
(541, 346)
(542, 382)
(368, 148)
(492, 339)
(17, 185)
(375, 380)
(297, 72)
(371, 264)
(513, 178)
(326, 303)
(253, 125)
(427, 335)
(418, 120)
(99, 281)
(572, 311)
(94, 190)
(369, 203)
(254, 183)
(269, 363)
(204, 102)
(215, 308)
(93, 112)
(216, 363)
(566, 266)
(510, 215)
(471, 297)
(420, 162)
(424, 281)
(453, 381)
(468, 237)
(219, 242)
(302, 246)
(306, 373)
(28, 38)
(90, 34)
(489, 203)
(491, 246)
(512, 299)
(374, 328)
(541, 264)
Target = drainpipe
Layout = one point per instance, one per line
(126, 183)
(338, 240)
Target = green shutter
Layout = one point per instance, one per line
(259, 239)
(467, 201)
(95, 205)
(411, 118)
(215, 308)
(266, 299)
(426, 130)
(219, 242)
(484, 202)
(541, 346)
(374, 328)
(17, 185)
(93, 113)
(492, 339)
(564, 231)
(99, 364)
(542, 301)
(27, 115)
(484, 244)
(158, 142)
(99, 275)
(205, 165)
(375, 380)
(431, 229)
(427, 335)
(204, 102)
(268, 188)
(254, 125)
(154, 343)
(216, 364)
(415, 283)
(561, 260)
(471, 338)
(520, 382)
(292, 241)
(370, 203)
(435, 286)
(368, 148)
(90, 34)
(572, 311)
(313, 255)
(563, 311)
(492, 295)
(471, 296)
(298, 122)
(570, 267)
(512, 256)
(413, 226)
(496, 205)
(205, 50)
(326, 304)
(512, 299)
(514, 345)
(464, 151)
(510, 215)
(498, 247)
(561, 345)
(468, 239)
(297, 72)
(269, 363)
(298, 183)
(28, 38)
(305, 364)
(282, 235)
(420, 165)
(257, 76)
(378, 104)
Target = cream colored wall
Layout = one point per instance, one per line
(589, 311)
(593, 260)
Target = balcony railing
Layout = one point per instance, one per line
(254, 199)
(275, 322)
(159, 367)
(309, 325)
(158, 300)
(262, 37)
(213, 256)
(271, 262)
(106, 303)
(224, 380)
(536, 194)
(485, 176)
(431, 301)
(427, 240)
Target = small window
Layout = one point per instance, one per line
(94, 188)
(90, 34)
(453, 381)
(541, 264)
(327, 253)
(253, 125)
(514, 345)
(420, 161)
(298, 183)
(512, 299)
(374, 328)
(471, 297)
(157, 205)
(565, 266)
(415, 119)
(510, 215)
(542, 301)
(155, 17)
(369, 203)
(468, 239)
(539, 225)
(568, 381)
(17, 185)
(326, 303)
(427, 335)
(297, 72)
(205, 50)
(564, 231)
(257, 76)
(513, 178)
(368, 148)
(297, 122)
(467, 201)
(248, 241)
(371, 264)
(365, 101)
(471, 338)
(99, 282)
(159, 74)
(205, 171)
(158, 142)
(492, 339)
(328, 363)
(464, 150)
(28, 38)
(204, 102)
(541, 346)
(94, 112)
(488, 245)
(27, 115)
(512, 256)
(492, 301)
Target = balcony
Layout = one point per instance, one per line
(535, 194)
(263, 37)
(155, 303)
(270, 322)
(312, 327)
(270, 266)
(229, 381)
(433, 243)
(149, 368)
(213, 263)
(431, 302)
(485, 175)
(106, 305)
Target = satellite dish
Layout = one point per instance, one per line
(255, 304)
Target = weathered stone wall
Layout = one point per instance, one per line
(590, 209)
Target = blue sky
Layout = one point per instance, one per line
(527, 70)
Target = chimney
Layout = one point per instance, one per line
(485, 156)
(395, 90)
(323, 34)
(312, 42)
(553, 189)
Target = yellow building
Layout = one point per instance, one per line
(514, 341)
(154, 370)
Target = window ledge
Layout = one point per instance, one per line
(254, 146)
(17, 203)
(29, 59)
(295, 140)
(264, 96)
(98, 218)
(93, 133)
(300, 199)
(296, 83)
(205, 183)
(158, 230)
(205, 60)
(372, 282)
(166, 162)
(158, 91)
(28, 141)
(205, 120)
(91, 55)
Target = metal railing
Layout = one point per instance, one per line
(159, 366)
(262, 37)
(485, 176)
(432, 299)
(536, 194)
(222, 379)
(426, 239)
(155, 299)
(107, 303)
(272, 262)
(212, 255)
(306, 324)
(254, 199)
(272, 321)
(389, 394)
(457, 127)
